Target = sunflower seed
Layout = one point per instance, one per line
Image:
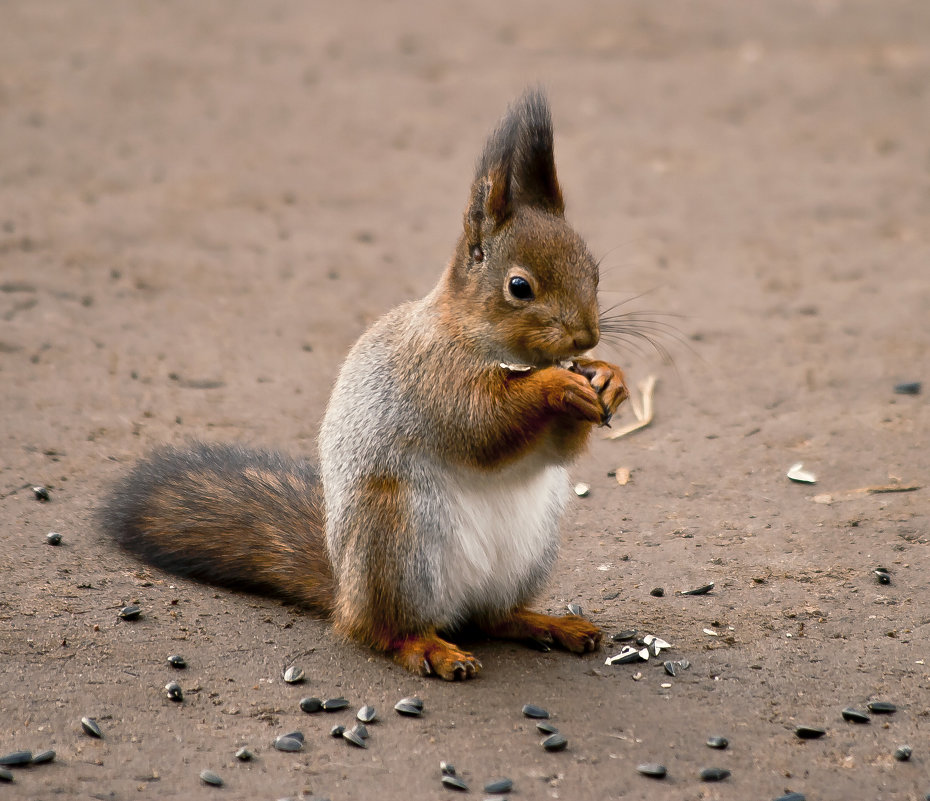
(671, 668)
(176, 661)
(623, 636)
(16, 758)
(41, 494)
(809, 732)
(209, 777)
(130, 613)
(90, 727)
(361, 730)
(882, 707)
(499, 786)
(908, 388)
(282, 743)
(174, 691)
(797, 473)
(53, 538)
(454, 782)
(337, 730)
(555, 742)
(335, 704)
(792, 797)
(410, 710)
(546, 728)
(311, 705)
(6, 775)
(366, 714)
(295, 735)
(533, 711)
(627, 655)
(43, 756)
(244, 755)
(652, 769)
(882, 575)
(293, 675)
(699, 590)
(855, 715)
(717, 742)
(582, 490)
(902, 753)
(714, 774)
(353, 737)
(574, 609)
(447, 768)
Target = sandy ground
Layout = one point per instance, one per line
(203, 205)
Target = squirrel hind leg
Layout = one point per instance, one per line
(428, 654)
(571, 632)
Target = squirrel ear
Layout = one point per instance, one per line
(534, 175)
(491, 201)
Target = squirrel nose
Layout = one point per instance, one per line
(585, 339)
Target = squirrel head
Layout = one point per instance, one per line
(522, 281)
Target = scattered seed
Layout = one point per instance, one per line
(244, 755)
(623, 636)
(684, 664)
(43, 757)
(53, 538)
(15, 758)
(809, 732)
(792, 797)
(413, 701)
(283, 743)
(366, 714)
(710, 632)
(902, 753)
(6, 775)
(883, 707)
(446, 768)
(717, 742)
(353, 737)
(90, 727)
(652, 769)
(337, 730)
(883, 576)
(295, 735)
(699, 590)
(798, 474)
(176, 661)
(454, 782)
(555, 742)
(335, 704)
(293, 675)
(130, 613)
(671, 668)
(582, 490)
(666, 685)
(627, 655)
(657, 592)
(855, 716)
(574, 609)
(533, 711)
(714, 774)
(408, 709)
(311, 705)
(174, 691)
(209, 777)
(41, 494)
(546, 728)
(908, 388)
(499, 786)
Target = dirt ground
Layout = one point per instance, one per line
(202, 205)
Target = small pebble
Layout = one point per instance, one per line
(546, 728)
(174, 691)
(43, 757)
(6, 775)
(366, 714)
(533, 711)
(809, 732)
(717, 742)
(855, 715)
(335, 704)
(454, 782)
(244, 755)
(499, 786)
(882, 708)
(311, 705)
(908, 388)
(714, 774)
(287, 744)
(90, 727)
(293, 675)
(652, 769)
(41, 494)
(176, 661)
(53, 538)
(209, 777)
(337, 730)
(130, 613)
(902, 753)
(657, 592)
(15, 758)
(555, 742)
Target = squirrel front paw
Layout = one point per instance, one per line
(572, 393)
(607, 381)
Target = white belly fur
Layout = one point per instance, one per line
(504, 536)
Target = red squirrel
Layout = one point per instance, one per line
(442, 452)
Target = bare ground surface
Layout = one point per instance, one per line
(203, 205)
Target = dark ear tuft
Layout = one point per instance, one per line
(534, 174)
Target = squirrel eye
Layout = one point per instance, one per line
(477, 254)
(520, 288)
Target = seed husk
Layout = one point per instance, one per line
(410, 706)
(177, 661)
(671, 668)
(337, 730)
(533, 711)
(714, 774)
(882, 708)
(43, 756)
(15, 758)
(500, 786)
(855, 715)
(335, 704)
(699, 590)
(446, 768)
(90, 727)
(555, 742)
(623, 636)
(792, 797)
(293, 675)
(809, 732)
(883, 576)
(574, 609)
(717, 742)
(903, 753)
(209, 777)
(53, 538)
(244, 755)
(41, 494)
(354, 738)
(130, 612)
(366, 714)
(282, 743)
(311, 705)
(653, 770)
(582, 490)
(295, 735)
(6, 775)
(454, 782)
(174, 692)
(546, 728)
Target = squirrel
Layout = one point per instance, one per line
(442, 451)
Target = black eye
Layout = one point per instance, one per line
(520, 288)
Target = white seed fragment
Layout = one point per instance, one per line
(582, 490)
(797, 473)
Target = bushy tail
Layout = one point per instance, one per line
(250, 520)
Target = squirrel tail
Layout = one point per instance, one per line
(249, 520)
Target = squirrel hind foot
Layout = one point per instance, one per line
(571, 632)
(430, 655)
